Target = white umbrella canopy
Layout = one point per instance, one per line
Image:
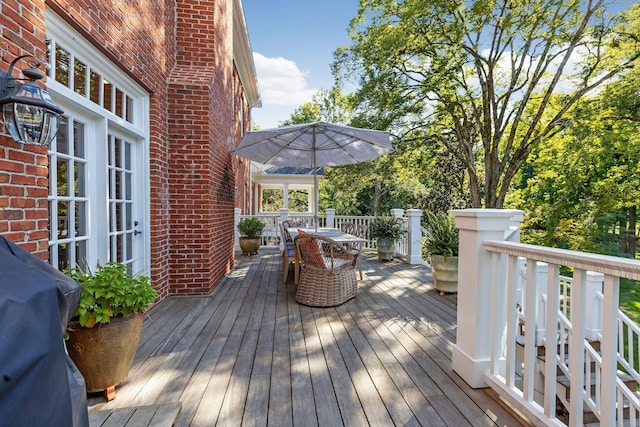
(313, 145)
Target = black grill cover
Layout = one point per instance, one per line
(39, 384)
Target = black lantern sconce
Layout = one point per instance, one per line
(28, 113)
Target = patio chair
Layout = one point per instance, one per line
(327, 278)
(348, 227)
(288, 253)
(359, 230)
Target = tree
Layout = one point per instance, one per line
(329, 106)
(580, 190)
(478, 76)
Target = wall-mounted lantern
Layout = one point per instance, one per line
(28, 113)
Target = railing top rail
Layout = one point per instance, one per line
(610, 265)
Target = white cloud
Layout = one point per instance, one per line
(281, 82)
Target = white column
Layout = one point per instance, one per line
(542, 272)
(311, 199)
(593, 321)
(398, 213)
(236, 233)
(286, 196)
(472, 349)
(331, 217)
(284, 214)
(414, 236)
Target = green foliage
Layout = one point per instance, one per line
(630, 298)
(478, 77)
(443, 236)
(581, 189)
(273, 200)
(250, 227)
(386, 227)
(110, 291)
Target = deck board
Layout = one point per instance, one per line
(249, 354)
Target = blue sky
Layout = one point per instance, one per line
(293, 43)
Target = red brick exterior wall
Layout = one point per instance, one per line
(182, 52)
(23, 171)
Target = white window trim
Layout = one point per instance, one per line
(104, 122)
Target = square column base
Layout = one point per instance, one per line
(471, 370)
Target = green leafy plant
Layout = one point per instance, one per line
(251, 227)
(443, 238)
(386, 227)
(110, 291)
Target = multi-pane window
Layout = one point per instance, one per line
(121, 222)
(98, 195)
(84, 80)
(68, 221)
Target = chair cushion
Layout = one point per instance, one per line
(311, 250)
(291, 250)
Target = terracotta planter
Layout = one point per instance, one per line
(386, 249)
(104, 353)
(445, 273)
(249, 245)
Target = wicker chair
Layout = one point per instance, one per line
(326, 279)
(288, 254)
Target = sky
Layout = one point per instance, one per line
(293, 43)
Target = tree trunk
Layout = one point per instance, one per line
(632, 243)
(376, 197)
(622, 233)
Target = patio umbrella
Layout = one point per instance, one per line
(313, 145)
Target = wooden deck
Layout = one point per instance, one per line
(248, 354)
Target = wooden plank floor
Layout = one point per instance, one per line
(248, 354)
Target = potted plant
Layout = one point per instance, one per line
(105, 332)
(441, 244)
(250, 235)
(387, 230)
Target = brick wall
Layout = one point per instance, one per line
(181, 51)
(23, 171)
(202, 131)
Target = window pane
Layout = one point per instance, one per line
(119, 194)
(94, 87)
(129, 106)
(78, 140)
(81, 254)
(80, 78)
(129, 245)
(127, 190)
(119, 110)
(127, 155)
(129, 223)
(63, 220)
(62, 140)
(107, 95)
(119, 254)
(63, 177)
(62, 66)
(81, 219)
(118, 152)
(63, 256)
(79, 179)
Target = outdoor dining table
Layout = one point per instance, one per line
(331, 233)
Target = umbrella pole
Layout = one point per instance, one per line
(316, 198)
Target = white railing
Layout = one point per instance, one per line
(370, 243)
(271, 234)
(562, 313)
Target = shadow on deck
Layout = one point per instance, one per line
(248, 354)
